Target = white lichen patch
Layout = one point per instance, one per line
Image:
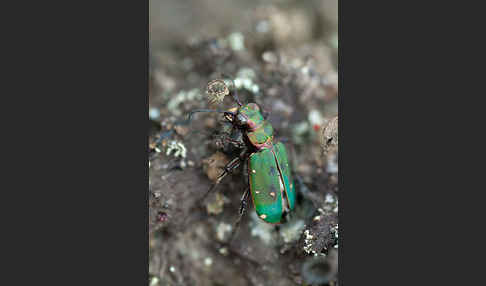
(335, 230)
(292, 231)
(299, 130)
(308, 239)
(208, 261)
(263, 26)
(335, 41)
(245, 79)
(329, 199)
(182, 96)
(330, 204)
(154, 281)
(315, 118)
(223, 231)
(223, 251)
(236, 41)
(178, 148)
(154, 113)
(332, 163)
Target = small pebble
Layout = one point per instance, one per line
(237, 41)
(154, 113)
(208, 261)
(162, 217)
(269, 57)
(223, 251)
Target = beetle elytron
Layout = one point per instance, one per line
(270, 181)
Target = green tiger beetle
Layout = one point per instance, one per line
(269, 176)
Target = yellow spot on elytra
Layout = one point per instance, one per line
(257, 192)
(272, 194)
(263, 216)
(253, 171)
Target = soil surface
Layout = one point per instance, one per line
(281, 55)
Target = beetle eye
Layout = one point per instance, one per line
(241, 120)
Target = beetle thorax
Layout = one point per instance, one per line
(254, 118)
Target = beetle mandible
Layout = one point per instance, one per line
(269, 175)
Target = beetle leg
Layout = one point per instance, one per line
(235, 139)
(229, 168)
(242, 211)
(237, 143)
(243, 200)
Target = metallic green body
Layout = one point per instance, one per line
(283, 164)
(261, 135)
(271, 184)
(252, 111)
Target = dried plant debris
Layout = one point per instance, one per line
(216, 91)
(330, 136)
(214, 165)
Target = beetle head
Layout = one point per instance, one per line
(245, 117)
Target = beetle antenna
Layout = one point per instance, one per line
(202, 110)
(234, 93)
(189, 118)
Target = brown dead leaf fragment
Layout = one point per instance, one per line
(214, 165)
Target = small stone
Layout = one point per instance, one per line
(329, 199)
(263, 26)
(208, 261)
(154, 281)
(154, 113)
(237, 41)
(269, 57)
(162, 217)
(223, 251)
